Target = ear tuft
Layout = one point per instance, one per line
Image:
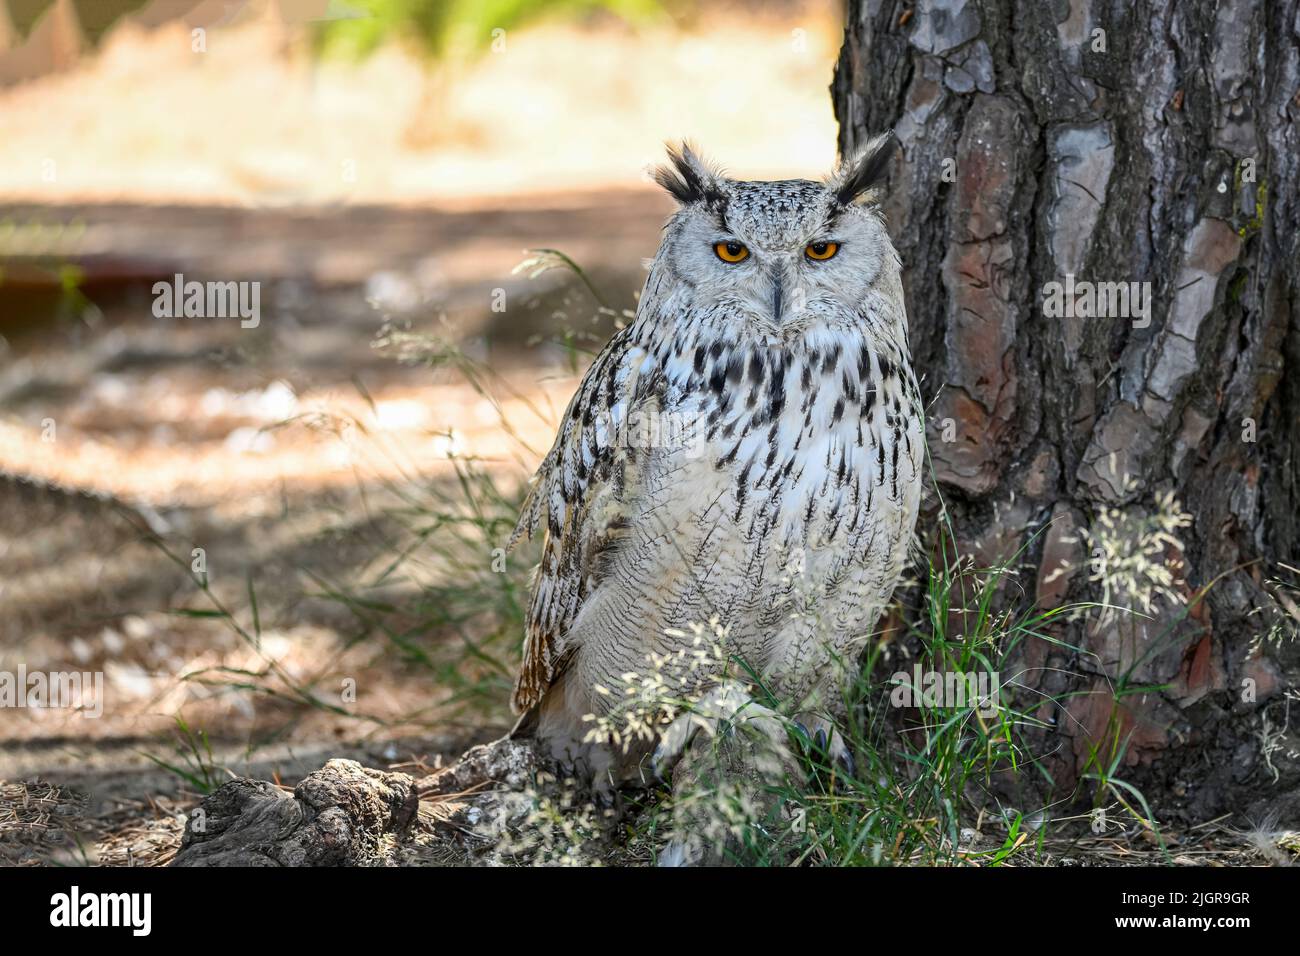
(687, 177)
(861, 175)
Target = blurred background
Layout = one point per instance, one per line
(281, 541)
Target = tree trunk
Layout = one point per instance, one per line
(1147, 142)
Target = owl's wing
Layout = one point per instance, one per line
(579, 491)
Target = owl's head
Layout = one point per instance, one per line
(778, 256)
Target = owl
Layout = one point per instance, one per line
(735, 483)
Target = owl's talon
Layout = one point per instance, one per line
(672, 744)
(659, 764)
(848, 763)
(826, 746)
(720, 713)
(662, 763)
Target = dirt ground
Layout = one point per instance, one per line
(212, 436)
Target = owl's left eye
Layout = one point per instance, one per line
(821, 251)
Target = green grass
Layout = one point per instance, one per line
(444, 28)
(192, 761)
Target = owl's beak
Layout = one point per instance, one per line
(781, 282)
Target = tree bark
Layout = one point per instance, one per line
(1143, 141)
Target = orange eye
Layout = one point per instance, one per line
(821, 250)
(731, 251)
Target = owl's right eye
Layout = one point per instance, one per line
(731, 251)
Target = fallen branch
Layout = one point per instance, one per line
(342, 815)
(345, 814)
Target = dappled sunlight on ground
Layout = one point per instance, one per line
(189, 442)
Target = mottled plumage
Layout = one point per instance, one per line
(747, 449)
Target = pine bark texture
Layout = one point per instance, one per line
(1134, 141)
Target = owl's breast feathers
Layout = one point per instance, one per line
(815, 446)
